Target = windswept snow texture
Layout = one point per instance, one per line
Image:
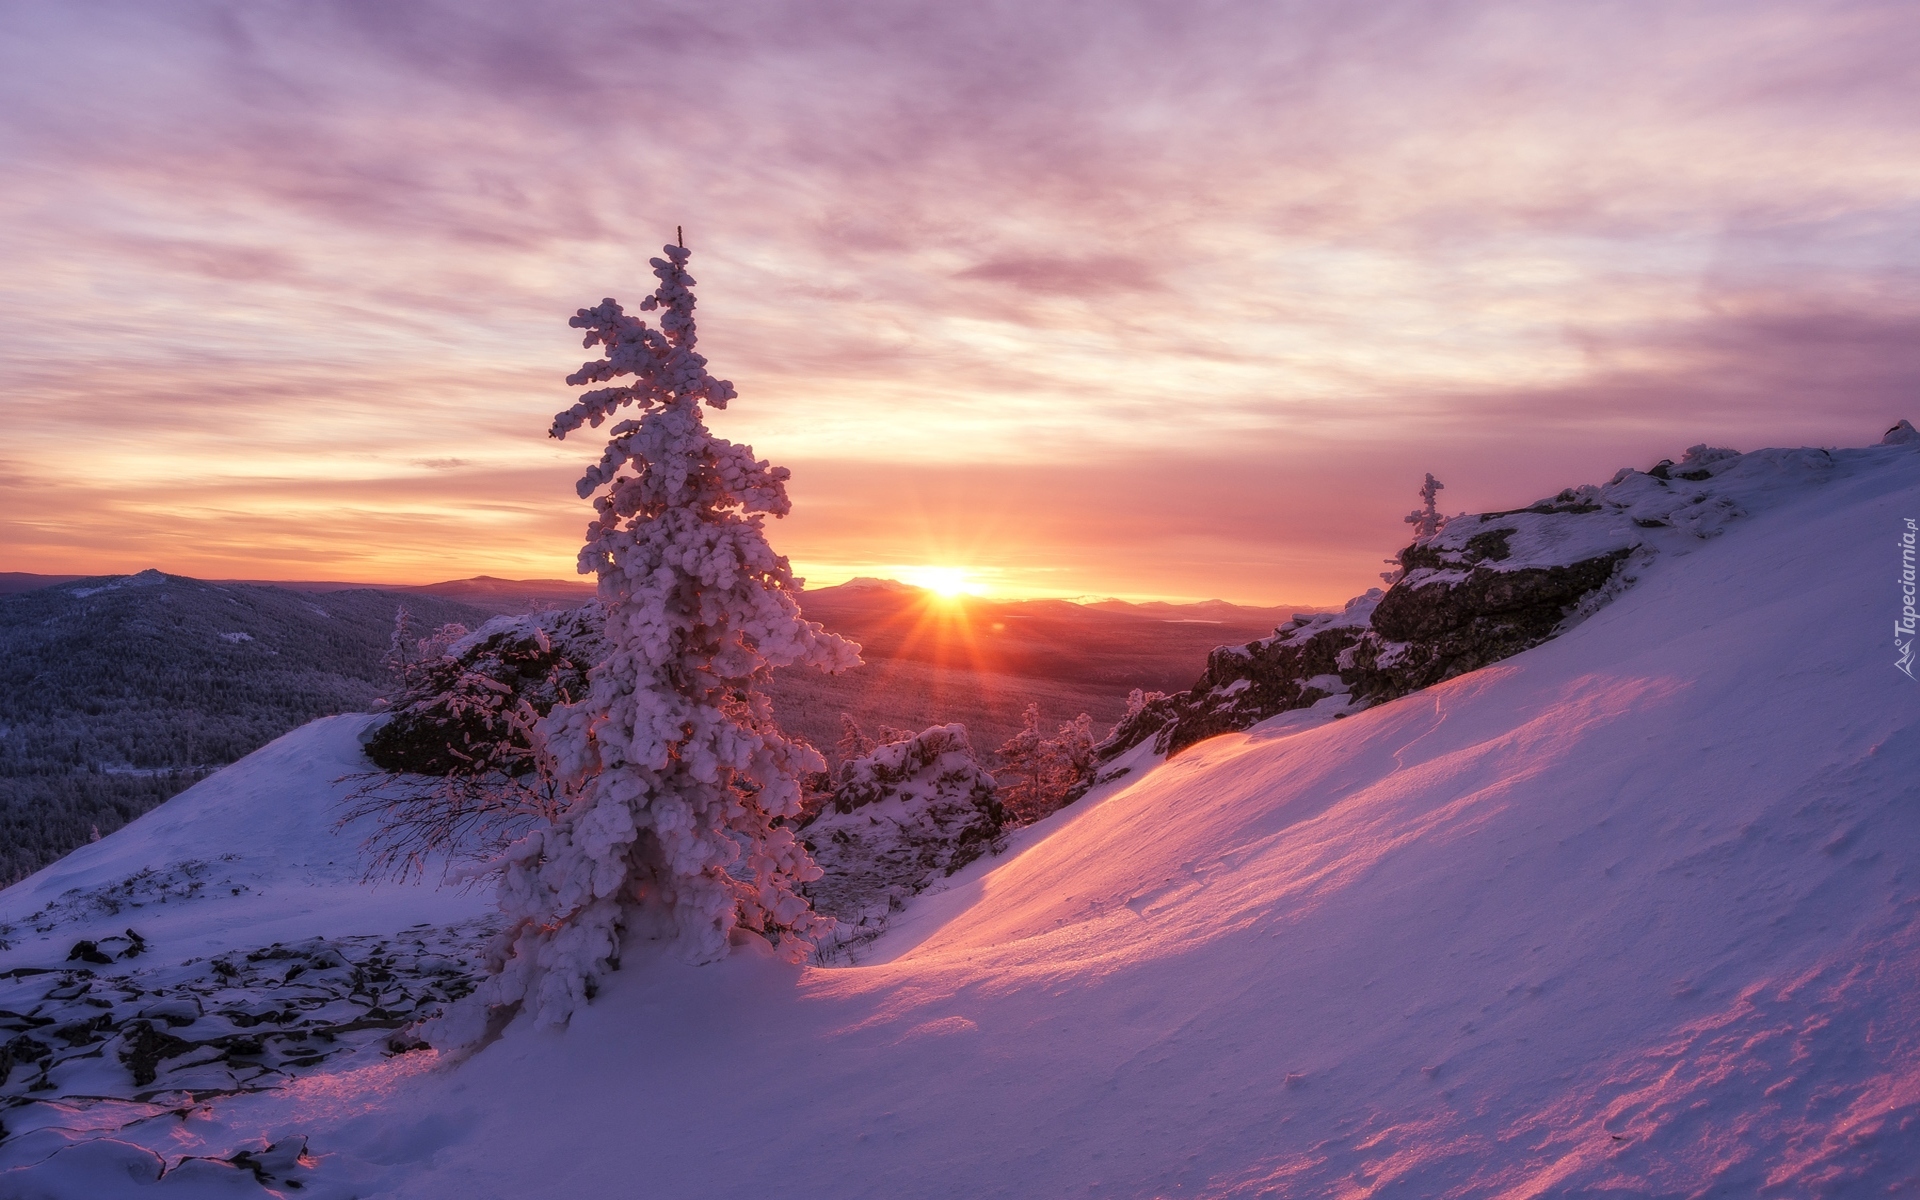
(1629, 914)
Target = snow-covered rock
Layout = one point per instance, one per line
(1480, 589)
(541, 658)
(902, 817)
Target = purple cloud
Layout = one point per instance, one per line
(1294, 253)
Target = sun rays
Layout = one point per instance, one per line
(948, 583)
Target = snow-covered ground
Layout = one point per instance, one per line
(1632, 913)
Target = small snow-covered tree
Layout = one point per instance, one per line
(1073, 747)
(1046, 772)
(1023, 769)
(1138, 702)
(400, 646)
(408, 648)
(679, 784)
(1426, 520)
(854, 742)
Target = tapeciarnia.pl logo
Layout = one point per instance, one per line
(1903, 628)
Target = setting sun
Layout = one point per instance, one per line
(948, 582)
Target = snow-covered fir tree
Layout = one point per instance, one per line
(854, 742)
(1426, 519)
(1044, 773)
(680, 786)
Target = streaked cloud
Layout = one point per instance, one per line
(290, 277)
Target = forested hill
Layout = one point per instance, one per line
(116, 692)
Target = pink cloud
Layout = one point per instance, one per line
(1227, 276)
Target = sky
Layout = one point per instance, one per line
(1174, 300)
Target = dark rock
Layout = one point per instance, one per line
(143, 1047)
(84, 1033)
(277, 1164)
(1440, 621)
(1490, 546)
(1497, 609)
(21, 1049)
(454, 707)
(1244, 685)
(84, 951)
(1483, 588)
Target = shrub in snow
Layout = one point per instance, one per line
(854, 742)
(1426, 522)
(461, 756)
(408, 647)
(906, 812)
(1046, 773)
(678, 786)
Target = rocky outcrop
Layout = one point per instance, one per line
(901, 817)
(465, 700)
(1484, 587)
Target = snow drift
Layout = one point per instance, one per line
(1631, 913)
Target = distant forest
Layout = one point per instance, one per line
(116, 693)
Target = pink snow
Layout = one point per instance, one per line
(1632, 912)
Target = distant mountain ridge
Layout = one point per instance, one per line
(486, 592)
(1166, 610)
(117, 691)
(934, 659)
(513, 595)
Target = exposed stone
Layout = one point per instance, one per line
(143, 1047)
(1482, 588)
(908, 813)
(113, 1041)
(453, 704)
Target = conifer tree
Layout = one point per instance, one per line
(1045, 771)
(854, 742)
(1426, 520)
(680, 787)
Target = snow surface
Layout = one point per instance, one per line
(245, 857)
(1632, 913)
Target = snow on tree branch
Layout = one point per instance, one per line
(1046, 773)
(680, 787)
(1426, 520)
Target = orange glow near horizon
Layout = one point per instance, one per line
(1012, 338)
(945, 582)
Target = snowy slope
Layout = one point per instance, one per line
(222, 943)
(251, 849)
(1631, 913)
